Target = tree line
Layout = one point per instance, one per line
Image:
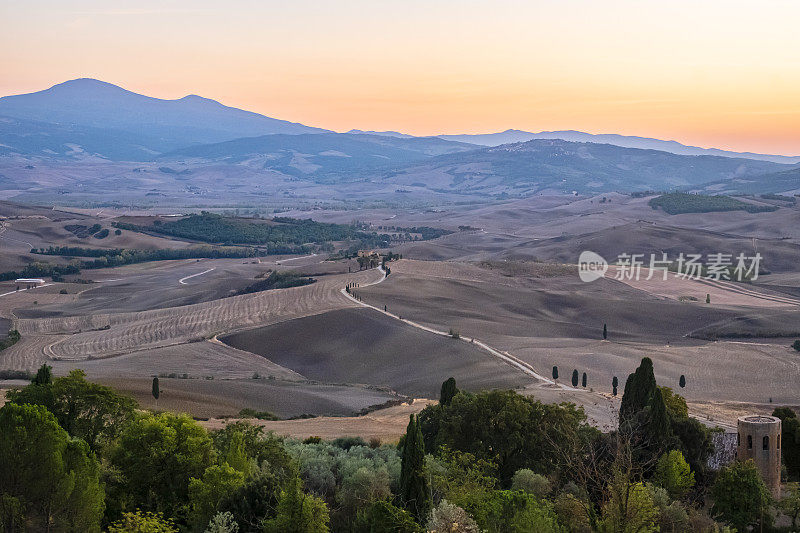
(79, 456)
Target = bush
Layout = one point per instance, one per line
(528, 481)
(796, 345)
(447, 517)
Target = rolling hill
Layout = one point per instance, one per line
(329, 156)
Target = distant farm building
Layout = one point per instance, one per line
(29, 282)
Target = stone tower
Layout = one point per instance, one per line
(759, 439)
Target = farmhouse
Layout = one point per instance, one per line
(30, 282)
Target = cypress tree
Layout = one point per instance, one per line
(413, 485)
(449, 390)
(555, 372)
(44, 376)
(682, 381)
(156, 391)
(614, 384)
(583, 380)
(639, 389)
(708, 298)
(605, 332)
(575, 378)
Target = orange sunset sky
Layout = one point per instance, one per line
(704, 72)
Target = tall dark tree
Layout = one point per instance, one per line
(615, 384)
(583, 380)
(449, 390)
(682, 381)
(575, 378)
(605, 332)
(413, 484)
(156, 390)
(44, 376)
(639, 389)
(555, 372)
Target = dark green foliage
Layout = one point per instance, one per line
(49, 481)
(383, 517)
(298, 512)
(156, 391)
(790, 440)
(278, 280)
(44, 376)
(583, 380)
(254, 502)
(575, 378)
(413, 484)
(254, 445)
(643, 416)
(449, 390)
(280, 231)
(682, 381)
(796, 345)
(506, 428)
(639, 389)
(102, 234)
(708, 298)
(12, 338)
(501, 511)
(555, 372)
(86, 410)
(123, 256)
(261, 415)
(696, 444)
(605, 332)
(155, 458)
(346, 443)
(740, 496)
(678, 202)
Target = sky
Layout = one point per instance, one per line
(710, 73)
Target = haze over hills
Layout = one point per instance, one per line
(86, 121)
(189, 120)
(558, 166)
(626, 141)
(321, 156)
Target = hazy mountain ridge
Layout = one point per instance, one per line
(563, 166)
(91, 120)
(625, 141)
(346, 156)
(189, 120)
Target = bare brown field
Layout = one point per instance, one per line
(387, 424)
(104, 335)
(558, 321)
(204, 398)
(364, 346)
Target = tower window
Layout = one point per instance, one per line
(765, 443)
(749, 442)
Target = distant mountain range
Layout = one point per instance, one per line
(323, 157)
(558, 166)
(87, 119)
(644, 143)
(161, 124)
